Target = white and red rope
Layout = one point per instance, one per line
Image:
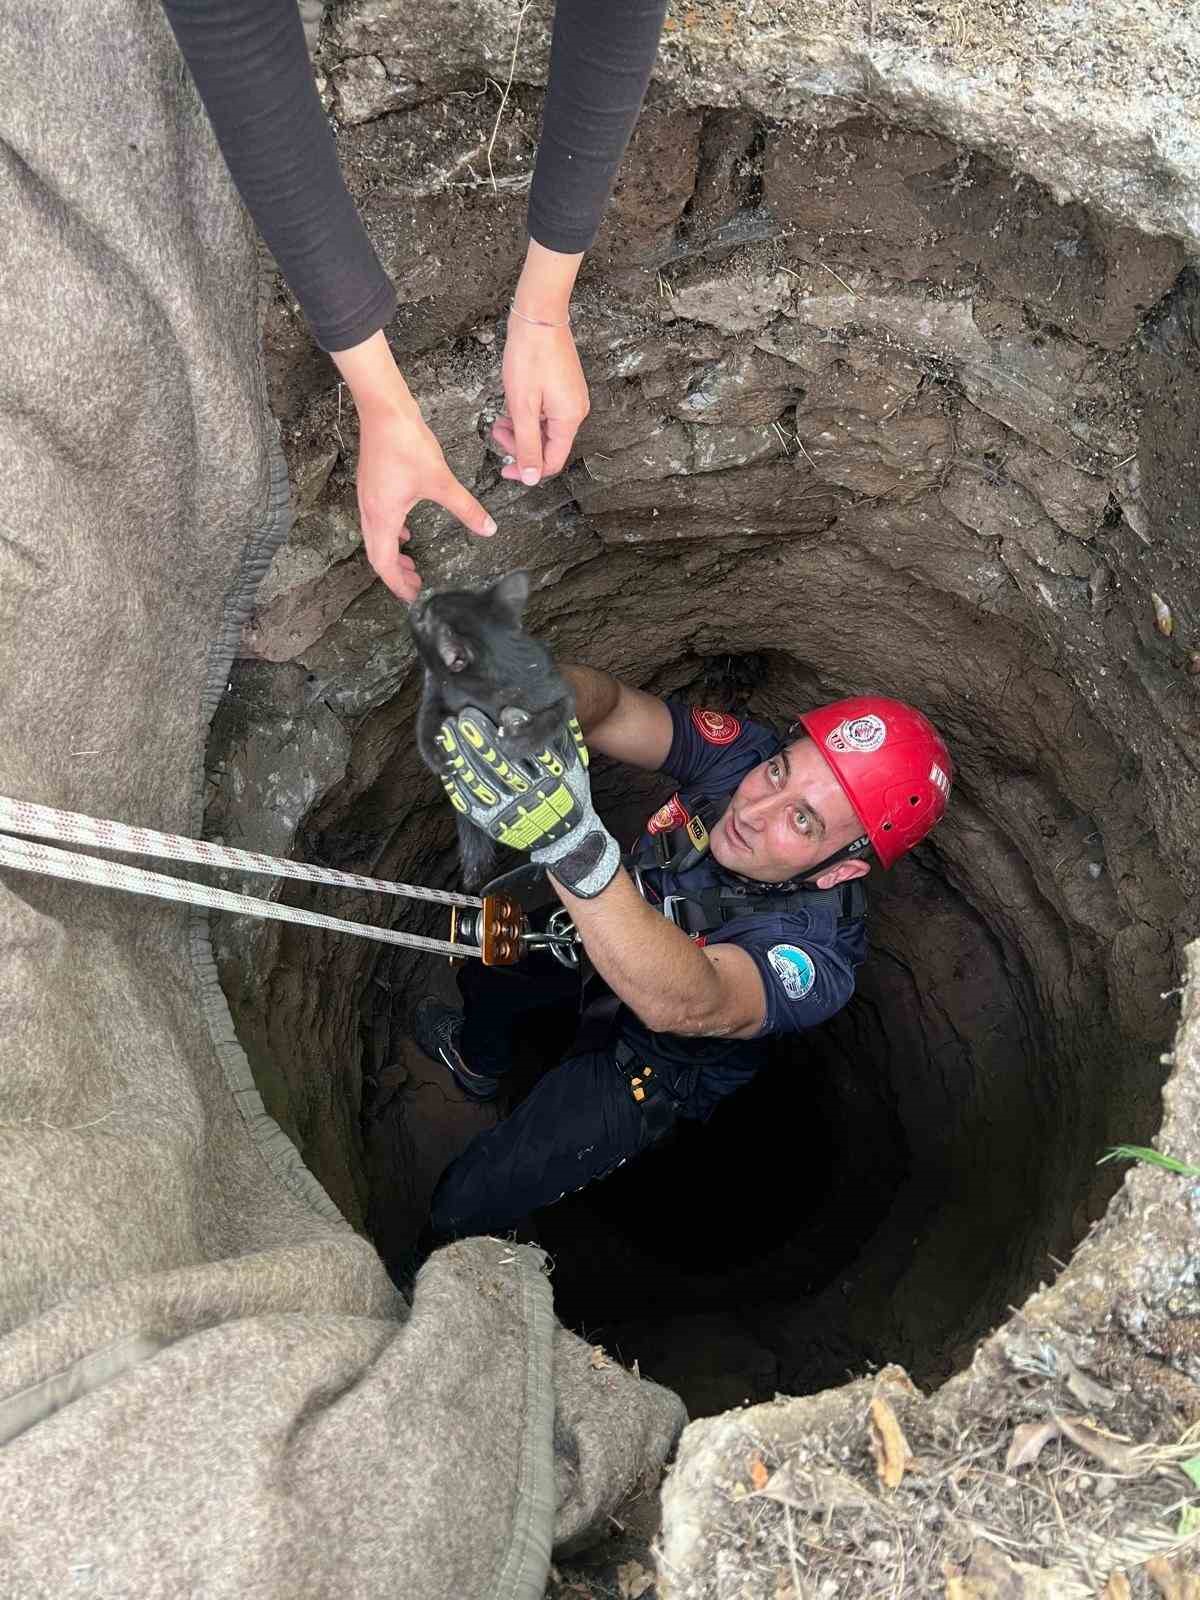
(25, 854)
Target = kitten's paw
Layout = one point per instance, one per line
(512, 720)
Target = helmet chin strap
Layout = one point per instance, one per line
(849, 852)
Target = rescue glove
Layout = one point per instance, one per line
(540, 803)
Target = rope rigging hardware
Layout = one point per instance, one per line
(492, 928)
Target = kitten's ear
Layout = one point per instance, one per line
(511, 592)
(452, 648)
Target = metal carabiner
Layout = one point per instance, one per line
(559, 937)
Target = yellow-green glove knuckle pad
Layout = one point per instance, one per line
(527, 827)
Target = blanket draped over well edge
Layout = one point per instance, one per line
(208, 1384)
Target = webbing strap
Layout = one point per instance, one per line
(706, 909)
(28, 855)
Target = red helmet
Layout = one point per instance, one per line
(892, 764)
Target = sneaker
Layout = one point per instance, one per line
(436, 1029)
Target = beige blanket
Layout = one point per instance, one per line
(208, 1385)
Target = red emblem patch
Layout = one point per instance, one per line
(672, 815)
(716, 727)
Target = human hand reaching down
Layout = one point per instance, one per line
(545, 391)
(399, 464)
(547, 398)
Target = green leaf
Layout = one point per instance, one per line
(1189, 1522)
(1192, 1468)
(1154, 1158)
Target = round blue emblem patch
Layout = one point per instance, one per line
(794, 969)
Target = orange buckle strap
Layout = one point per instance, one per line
(637, 1086)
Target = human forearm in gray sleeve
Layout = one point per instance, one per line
(250, 64)
(600, 65)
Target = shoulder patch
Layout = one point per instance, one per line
(794, 969)
(673, 815)
(716, 727)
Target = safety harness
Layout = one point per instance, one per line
(697, 913)
(700, 911)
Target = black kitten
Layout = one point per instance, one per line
(475, 653)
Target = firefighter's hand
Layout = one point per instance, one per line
(540, 803)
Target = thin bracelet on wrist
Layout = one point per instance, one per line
(538, 322)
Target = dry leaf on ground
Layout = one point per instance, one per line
(888, 1444)
(1116, 1455)
(759, 1476)
(817, 1489)
(633, 1579)
(993, 1576)
(599, 1359)
(1086, 1389)
(1117, 1588)
(1028, 1442)
(1173, 1582)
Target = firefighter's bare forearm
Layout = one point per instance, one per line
(645, 960)
(596, 694)
(620, 721)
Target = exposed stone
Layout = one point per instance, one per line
(747, 387)
(1033, 98)
(902, 457)
(1041, 388)
(1046, 389)
(915, 207)
(676, 449)
(922, 543)
(458, 38)
(364, 88)
(872, 380)
(308, 482)
(733, 304)
(993, 505)
(366, 659)
(622, 346)
(284, 629)
(281, 749)
(726, 178)
(753, 502)
(1076, 500)
(312, 13)
(318, 542)
(716, 448)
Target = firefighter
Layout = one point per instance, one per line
(739, 915)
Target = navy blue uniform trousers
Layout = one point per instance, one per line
(577, 1124)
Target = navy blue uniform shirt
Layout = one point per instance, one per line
(805, 960)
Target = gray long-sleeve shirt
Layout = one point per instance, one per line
(251, 66)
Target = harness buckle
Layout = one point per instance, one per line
(670, 901)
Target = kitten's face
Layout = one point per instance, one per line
(454, 630)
